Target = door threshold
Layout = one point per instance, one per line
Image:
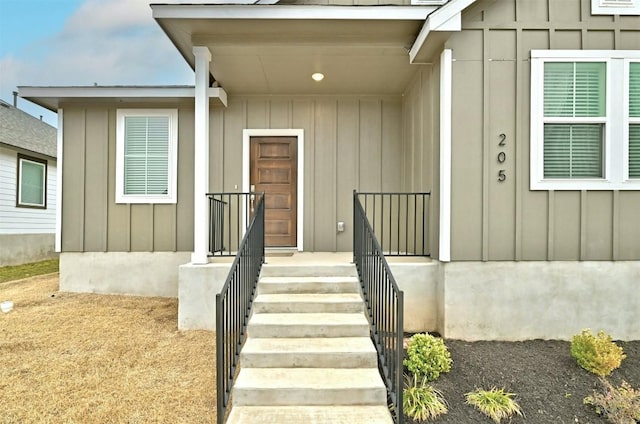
(280, 251)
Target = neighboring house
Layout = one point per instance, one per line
(521, 117)
(27, 187)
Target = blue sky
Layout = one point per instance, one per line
(82, 42)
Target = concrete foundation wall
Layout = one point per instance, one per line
(134, 273)
(198, 286)
(419, 282)
(16, 249)
(539, 300)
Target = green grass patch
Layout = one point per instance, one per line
(17, 272)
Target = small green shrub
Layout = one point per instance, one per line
(427, 356)
(421, 401)
(597, 354)
(495, 403)
(620, 405)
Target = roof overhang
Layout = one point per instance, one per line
(437, 29)
(274, 49)
(52, 97)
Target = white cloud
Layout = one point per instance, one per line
(109, 42)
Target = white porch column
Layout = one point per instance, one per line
(201, 158)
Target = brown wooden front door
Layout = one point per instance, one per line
(274, 170)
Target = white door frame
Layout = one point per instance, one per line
(246, 161)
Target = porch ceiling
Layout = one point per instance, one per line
(275, 49)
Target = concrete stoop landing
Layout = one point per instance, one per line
(308, 358)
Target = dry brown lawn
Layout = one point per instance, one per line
(85, 358)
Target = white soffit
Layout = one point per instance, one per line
(51, 97)
(271, 50)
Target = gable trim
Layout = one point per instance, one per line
(447, 18)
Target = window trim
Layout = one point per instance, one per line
(19, 202)
(615, 159)
(171, 196)
(627, 119)
(608, 7)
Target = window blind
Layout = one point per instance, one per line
(573, 150)
(634, 124)
(574, 90)
(146, 155)
(32, 183)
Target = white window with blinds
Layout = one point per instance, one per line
(632, 148)
(583, 120)
(146, 155)
(32, 182)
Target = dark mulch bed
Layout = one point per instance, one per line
(548, 383)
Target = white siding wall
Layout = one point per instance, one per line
(24, 220)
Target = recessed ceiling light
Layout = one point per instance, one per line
(317, 76)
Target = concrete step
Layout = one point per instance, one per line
(353, 414)
(342, 352)
(308, 386)
(308, 302)
(309, 270)
(300, 285)
(292, 325)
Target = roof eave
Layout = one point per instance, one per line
(436, 30)
(51, 97)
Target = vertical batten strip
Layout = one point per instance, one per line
(551, 224)
(485, 144)
(615, 227)
(584, 235)
(519, 174)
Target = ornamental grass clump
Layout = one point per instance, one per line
(597, 354)
(495, 403)
(620, 405)
(421, 401)
(427, 357)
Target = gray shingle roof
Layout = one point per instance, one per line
(19, 129)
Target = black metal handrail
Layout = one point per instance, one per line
(233, 306)
(400, 221)
(229, 216)
(385, 305)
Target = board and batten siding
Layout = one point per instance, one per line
(91, 220)
(493, 221)
(420, 160)
(14, 220)
(349, 143)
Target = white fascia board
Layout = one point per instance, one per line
(106, 92)
(218, 93)
(292, 12)
(50, 96)
(447, 18)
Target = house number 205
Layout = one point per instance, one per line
(502, 157)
